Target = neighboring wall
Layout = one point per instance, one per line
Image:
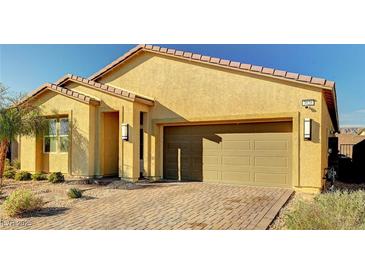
(348, 141)
(189, 92)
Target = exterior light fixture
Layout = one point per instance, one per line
(308, 103)
(307, 129)
(125, 132)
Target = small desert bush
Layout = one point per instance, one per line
(23, 176)
(20, 202)
(56, 177)
(16, 164)
(39, 177)
(7, 163)
(74, 193)
(330, 211)
(9, 170)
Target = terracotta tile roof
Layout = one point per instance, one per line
(349, 139)
(329, 88)
(121, 59)
(81, 97)
(351, 130)
(105, 88)
(217, 61)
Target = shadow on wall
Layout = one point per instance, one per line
(315, 132)
(358, 160)
(78, 151)
(183, 147)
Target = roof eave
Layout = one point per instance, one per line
(116, 62)
(337, 122)
(319, 83)
(120, 93)
(82, 98)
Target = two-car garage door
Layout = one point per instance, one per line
(248, 154)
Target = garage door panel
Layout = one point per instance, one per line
(251, 154)
(235, 153)
(175, 145)
(196, 161)
(236, 161)
(271, 162)
(196, 149)
(171, 174)
(230, 168)
(171, 166)
(235, 145)
(236, 177)
(208, 144)
(268, 145)
(271, 178)
(210, 160)
(211, 153)
(211, 176)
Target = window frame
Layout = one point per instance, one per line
(57, 136)
(50, 136)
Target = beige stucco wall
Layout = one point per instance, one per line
(184, 92)
(189, 92)
(31, 149)
(128, 113)
(327, 130)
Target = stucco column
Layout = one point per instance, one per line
(156, 150)
(99, 132)
(129, 158)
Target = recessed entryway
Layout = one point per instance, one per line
(111, 143)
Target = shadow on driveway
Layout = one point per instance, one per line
(47, 212)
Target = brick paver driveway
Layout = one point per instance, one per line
(164, 206)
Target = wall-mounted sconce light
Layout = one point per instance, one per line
(125, 132)
(308, 103)
(307, 129)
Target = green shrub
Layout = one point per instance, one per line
(9, 172)
(338, 210)
(56, 177)
(39, 177)
(10, 169)
(74, 193)
(23, 176)
(16, 164)
(20, 202)
(7, 163)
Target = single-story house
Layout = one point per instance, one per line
(348, 138)
(162, 113)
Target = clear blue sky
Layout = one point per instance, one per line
(25, 67)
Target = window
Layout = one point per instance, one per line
(64, 135)
(56, 136)
(50, 137)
